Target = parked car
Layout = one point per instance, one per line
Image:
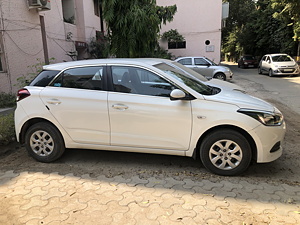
(278, 64)
(206, 67)
(146, 106)
(247, 61)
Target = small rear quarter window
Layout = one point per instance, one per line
(44, 78)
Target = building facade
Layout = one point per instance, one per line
(33, 33)
(199, 22)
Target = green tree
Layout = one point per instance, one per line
(133, 26)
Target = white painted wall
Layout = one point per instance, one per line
(22, 39)
(197, 21)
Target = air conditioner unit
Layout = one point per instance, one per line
(40, 4)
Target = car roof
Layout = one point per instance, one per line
(275, 54)
(90, 62)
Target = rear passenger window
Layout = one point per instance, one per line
(44, 78)
(82, 78)
(187, 61)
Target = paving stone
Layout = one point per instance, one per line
(159, 190)
(122, 188)
(291, 190)
(155, 210)
(9, 174)
(212, 203)
(271, 188)
(19, 190)
(33, 213)
(229, 186)
(73, 205)
(141, 190)
(152, 181)
(106, 187)
(190, 201)
(170, 182)
(202, 191)
(36, 191)
(53, 192)
(135, 180)
(34, 201)
(179, 212)
(169, 200)
(287, 198)
(37, 222)
(202, 215)
(68, 178)
(39, 182)
(53, 216)
(53, 176)
(259, 207)
(265, 197)
(188, 221)
(189, 184)
(221, 194)
(148, 199)
(104, 179)
(208, 185)
(180, 191)
(249, 187)
(129, 197)
(54, 202)
(245, 195)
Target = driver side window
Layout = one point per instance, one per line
(135, 80)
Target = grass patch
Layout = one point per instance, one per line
(7, 129)
(7, 100)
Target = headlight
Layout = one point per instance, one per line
(265, 117)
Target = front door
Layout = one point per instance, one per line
(142, 114)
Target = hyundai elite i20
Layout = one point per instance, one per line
(147, 106)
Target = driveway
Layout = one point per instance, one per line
(99, 187)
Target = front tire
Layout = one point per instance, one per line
(44, 142)
(220, 76)
(225, 152)
(259, 70)
(270, 73)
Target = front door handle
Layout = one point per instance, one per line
(54, 101)
(120, 106)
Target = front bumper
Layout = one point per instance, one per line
(286, 71)
(268, 141)
(229, 75)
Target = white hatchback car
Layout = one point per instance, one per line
(206, 67)
(148, 106)
(278, 64)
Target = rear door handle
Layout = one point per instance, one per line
(120, 106)
(54, 101)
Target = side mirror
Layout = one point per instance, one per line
(177, 94)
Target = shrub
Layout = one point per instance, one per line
(7, 129)
(7, 100)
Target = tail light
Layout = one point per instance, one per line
(22, 93)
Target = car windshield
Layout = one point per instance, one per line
(281, 58)
(249, 58)
(184, 78)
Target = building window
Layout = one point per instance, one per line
(97, 7)
(175, 45)
(68, 11)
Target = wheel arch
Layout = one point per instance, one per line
(220, 73)
(238, 129)
(31, 122)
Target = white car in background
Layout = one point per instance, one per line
(146, 106)
(278, 64)
(206, 67)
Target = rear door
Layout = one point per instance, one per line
(78, 101)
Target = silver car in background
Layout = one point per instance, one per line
(278, 64)
(206, 67)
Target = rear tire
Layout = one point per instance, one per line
(225, 152)
(44, 142)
